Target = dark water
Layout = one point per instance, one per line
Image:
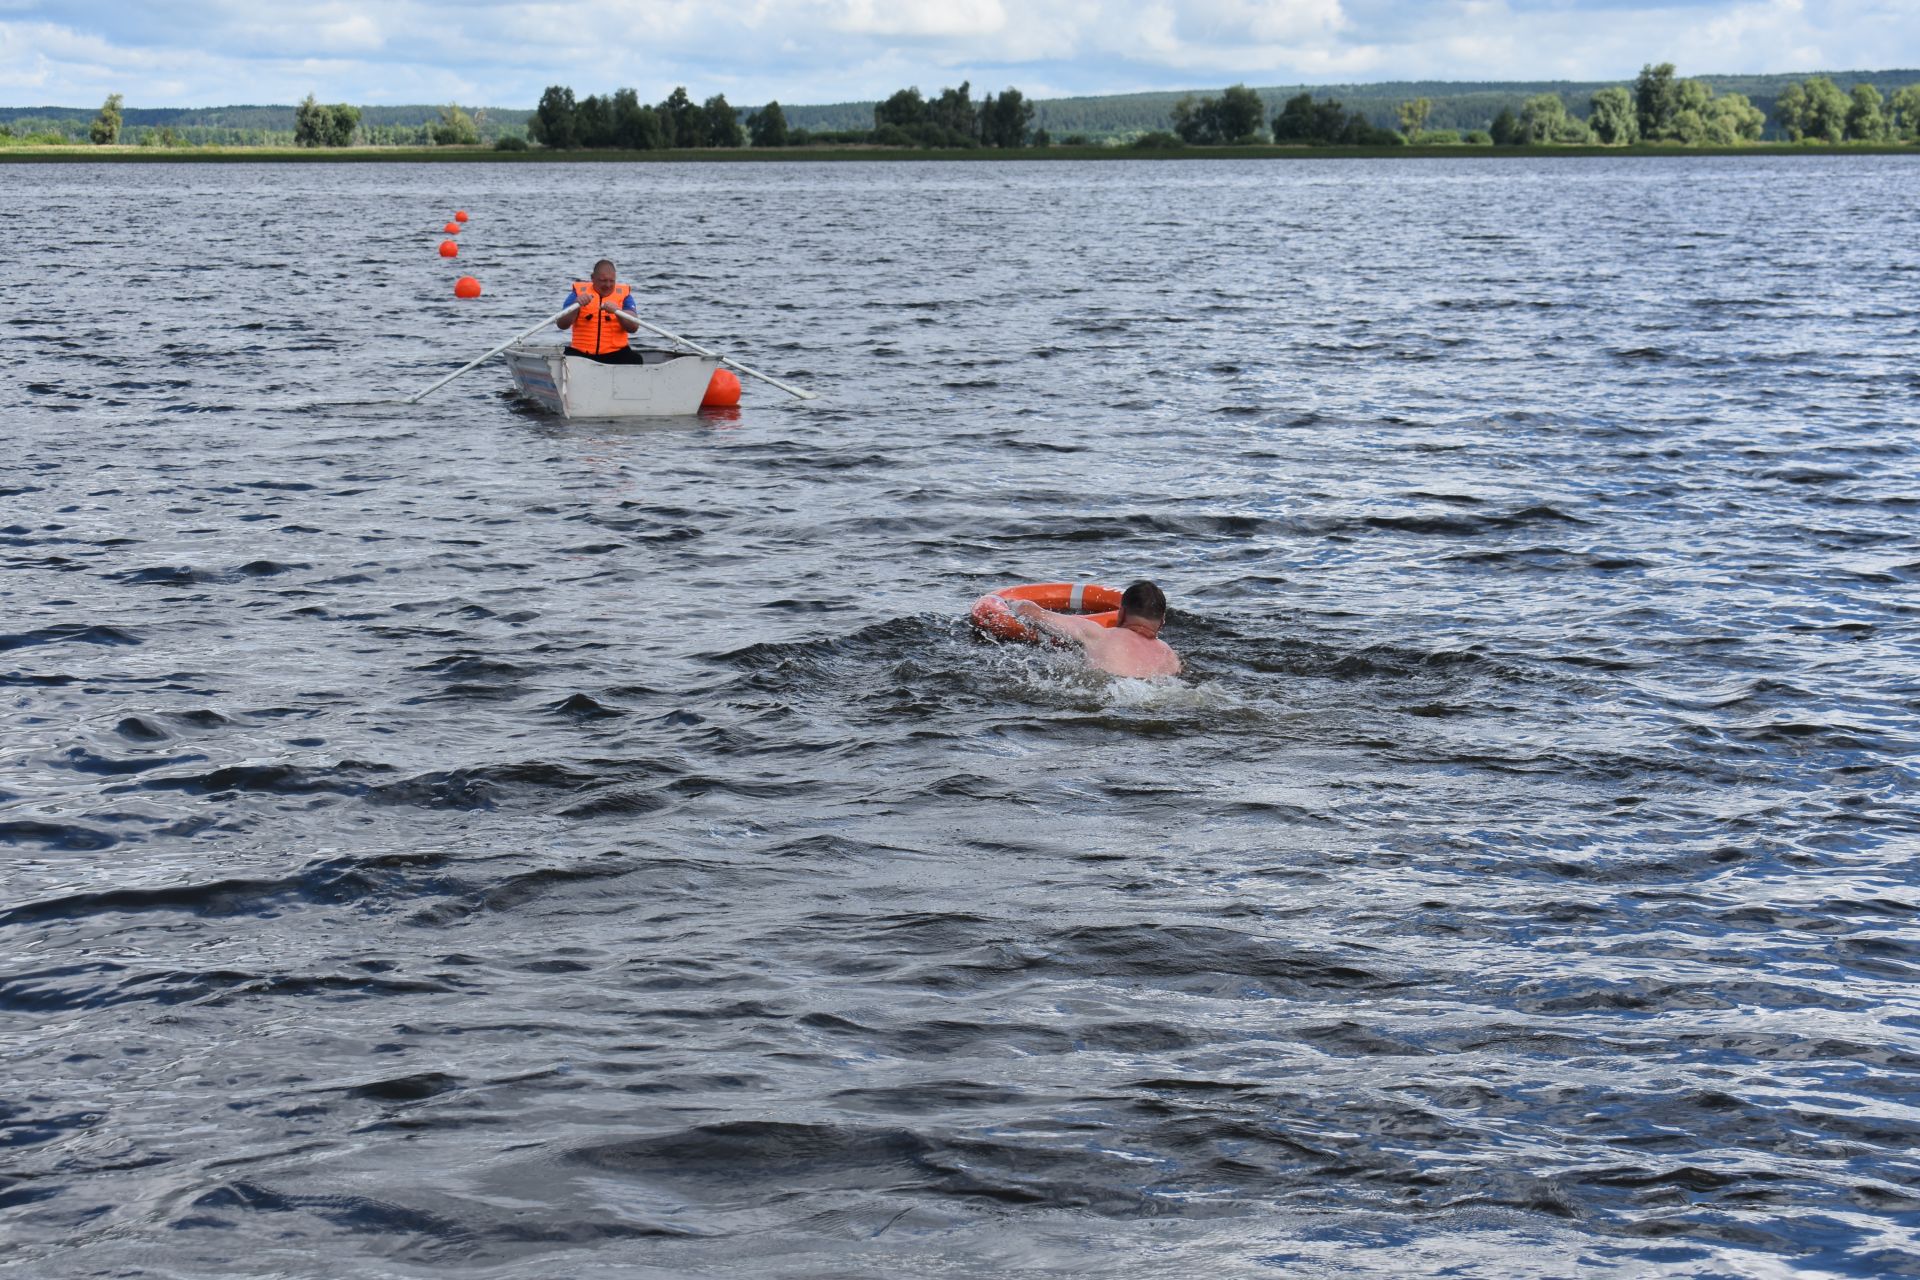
(445, 840)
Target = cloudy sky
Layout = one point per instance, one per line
(491, 53)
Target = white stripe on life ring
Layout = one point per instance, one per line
(1073, 601)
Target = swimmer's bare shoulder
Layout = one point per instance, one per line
(1122, 652)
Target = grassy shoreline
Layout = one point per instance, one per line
(749, 155)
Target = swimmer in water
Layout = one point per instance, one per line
(1131, 647)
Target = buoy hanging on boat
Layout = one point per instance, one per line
(723, 390)
(460, 215)
(448, 249)
(466, 287)
(452, 228)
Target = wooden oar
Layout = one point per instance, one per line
(418, 396)
(787, 387)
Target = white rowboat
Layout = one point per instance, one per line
(668, 384)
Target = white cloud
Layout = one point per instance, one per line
(333, 28)
(1259, 21)
(504, 52)
(919, 18)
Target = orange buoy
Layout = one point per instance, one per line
(452, 228)
(460, 216)
(1093, 602)
(723, 390)
(466, 287)
(448, 249)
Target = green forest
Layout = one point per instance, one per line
(1458, 105)
(247, 126)
(1880, 107)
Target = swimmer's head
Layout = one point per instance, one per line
(1145, 604)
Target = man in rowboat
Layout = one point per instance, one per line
(601, 314)
(1131, 647)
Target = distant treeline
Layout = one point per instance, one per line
(1871, 107)
(247, 126)
(1818, 110)
(1461, 106)
(621, 120)
(953, 119)
(1660, 108)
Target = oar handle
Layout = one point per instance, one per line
(787, 387)
(528, 332)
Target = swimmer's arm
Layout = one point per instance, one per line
(1063, 625)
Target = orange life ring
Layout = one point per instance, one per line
(1093, 602)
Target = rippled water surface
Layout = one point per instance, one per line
(446, 840)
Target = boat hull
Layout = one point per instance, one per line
(667, 385)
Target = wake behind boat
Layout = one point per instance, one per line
(663, 384)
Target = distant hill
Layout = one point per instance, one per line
(245, 117)
(1456, 105)
(252, 125)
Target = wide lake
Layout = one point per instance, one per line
(448, 840)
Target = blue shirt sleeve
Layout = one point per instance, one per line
(628, 304)
(573, 296)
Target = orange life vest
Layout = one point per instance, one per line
(594, 331)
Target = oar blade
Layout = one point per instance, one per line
(787, 387)
(528, 332)
(751, 373)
